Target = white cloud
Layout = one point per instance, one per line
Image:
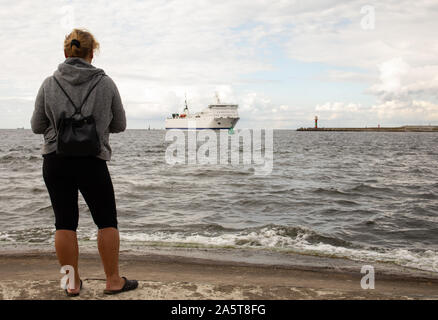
(403, 29)
(399, 80)
(347, 76)
(414, 112)
(388, 113)
(338, 107)
(338, 110)
(390, 74)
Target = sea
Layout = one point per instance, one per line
(361, 196)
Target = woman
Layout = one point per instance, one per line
(64, 176)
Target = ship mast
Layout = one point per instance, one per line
(217, 98)
(186, 109)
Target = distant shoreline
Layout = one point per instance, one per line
(378, 129)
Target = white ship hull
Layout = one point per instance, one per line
(198, 124)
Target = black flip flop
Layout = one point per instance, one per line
(71, 294)
(129, 285)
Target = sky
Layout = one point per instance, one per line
(352, 63)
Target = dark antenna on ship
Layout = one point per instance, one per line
(186, 109)
(217, 98)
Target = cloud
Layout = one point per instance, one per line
(390, 75)
(399, 80)
(388, 113)
(340, 113)
(347, 76)
(413, 112)
(335, 35)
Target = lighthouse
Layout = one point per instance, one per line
(316, 122)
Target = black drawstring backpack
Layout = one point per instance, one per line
(77, 135)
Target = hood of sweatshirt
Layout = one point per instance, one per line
(77, 77)
(77, 71)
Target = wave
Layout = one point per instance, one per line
(347, 203)
(329, 191)
(18, 157)
(31, 235)
(286, 239)
(220, 172)
(364, 188)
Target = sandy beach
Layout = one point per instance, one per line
(163, 276)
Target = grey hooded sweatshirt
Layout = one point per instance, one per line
(77, 77)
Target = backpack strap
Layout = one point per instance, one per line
(88, 94)
(78, 110)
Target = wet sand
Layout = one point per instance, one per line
(161, 276)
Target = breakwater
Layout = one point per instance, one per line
(378, 129)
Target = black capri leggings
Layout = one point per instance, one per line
(65, 176)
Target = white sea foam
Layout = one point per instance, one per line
(268, 238)
(273, 238)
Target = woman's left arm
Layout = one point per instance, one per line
(39, 122)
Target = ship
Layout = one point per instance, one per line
(215, 116)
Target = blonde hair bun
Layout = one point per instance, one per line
(80, 43)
